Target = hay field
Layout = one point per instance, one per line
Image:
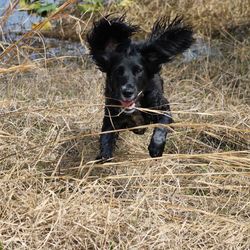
(197, 196)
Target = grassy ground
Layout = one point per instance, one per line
(196, 196)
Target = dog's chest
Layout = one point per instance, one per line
(134, 120)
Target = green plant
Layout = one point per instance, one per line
(90, 6)
(37, 7)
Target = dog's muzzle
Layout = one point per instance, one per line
(128, 106)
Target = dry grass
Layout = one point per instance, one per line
(196, 196)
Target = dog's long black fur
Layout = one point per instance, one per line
(133, 76)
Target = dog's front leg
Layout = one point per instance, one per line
(158, 139)
(107, 140)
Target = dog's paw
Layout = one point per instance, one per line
(156, 150)
(102, 158)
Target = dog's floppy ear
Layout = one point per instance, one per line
(166, 40)
(105, 36)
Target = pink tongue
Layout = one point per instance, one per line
(126, 104)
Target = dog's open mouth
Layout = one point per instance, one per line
(129, 106)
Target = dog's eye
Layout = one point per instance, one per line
(137, 70)
(120, 71)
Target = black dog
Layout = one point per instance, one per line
(133, 79)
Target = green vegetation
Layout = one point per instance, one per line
(44, 8)
(37, 7)
(90, 6)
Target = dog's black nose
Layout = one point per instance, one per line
(127, 93)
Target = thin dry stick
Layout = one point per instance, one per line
(18, 68)
(226, 156)
(171, 126)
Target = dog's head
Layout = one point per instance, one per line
(130, 65)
